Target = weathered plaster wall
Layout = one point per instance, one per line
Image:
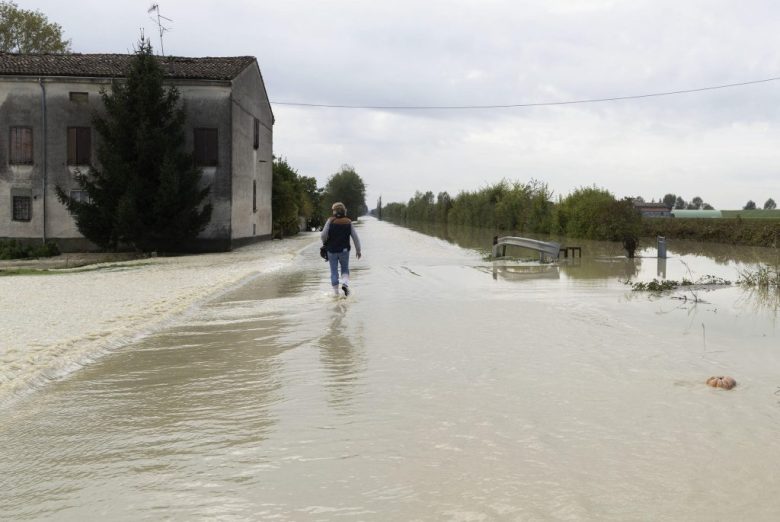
(251, 167)
(208, 106)
(62, 113)
(20, 105)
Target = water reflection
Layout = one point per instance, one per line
(602, 268)
(340, 357)
(724, 254)
(604, 259)
(661, 268)
(761, 300)
(516, 272)
(481, 239)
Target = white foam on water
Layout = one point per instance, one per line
(53, 325)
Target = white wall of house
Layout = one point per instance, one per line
(20, 106)
(208, 106)
(252, 175)
(61, 113)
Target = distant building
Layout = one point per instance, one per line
(46, 136)
(653, 210)
(696, 214)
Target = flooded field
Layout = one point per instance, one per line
(445, 388)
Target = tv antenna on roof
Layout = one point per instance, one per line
(161, 28)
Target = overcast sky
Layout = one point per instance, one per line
(722, 145)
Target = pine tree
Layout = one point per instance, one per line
(146, 190)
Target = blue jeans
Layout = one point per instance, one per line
(335, 259)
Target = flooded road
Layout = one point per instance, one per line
(444, 388)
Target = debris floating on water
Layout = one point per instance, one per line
(721, 381)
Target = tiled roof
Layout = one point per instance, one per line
(651, 206)
(116, 66)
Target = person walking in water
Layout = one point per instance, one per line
(335, 236)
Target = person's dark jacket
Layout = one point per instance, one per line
(336, 234)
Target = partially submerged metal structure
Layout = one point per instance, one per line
(546, 249)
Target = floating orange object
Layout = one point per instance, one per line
(721, 381)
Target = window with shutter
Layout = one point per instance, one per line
(79, 146)
(20, 146)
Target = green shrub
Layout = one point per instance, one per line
(594, 213)
(13, 249)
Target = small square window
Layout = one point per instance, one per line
(206, 147)
(22, 208)
(80, 196)
(79, 97)
(20, 146)
(79, 145)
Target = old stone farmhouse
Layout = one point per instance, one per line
(46, 107)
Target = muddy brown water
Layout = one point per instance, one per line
(445, 387)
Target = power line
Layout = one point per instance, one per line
(521, 105)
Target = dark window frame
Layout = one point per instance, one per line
(254, 195)
(16, 153)
(20, 211)
(79, 146)
(206, 146)
(257, 134)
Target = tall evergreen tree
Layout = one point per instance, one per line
(146, 189)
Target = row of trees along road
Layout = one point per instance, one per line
(588, 212)
(294, 197)
(297, 197)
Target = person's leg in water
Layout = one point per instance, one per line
(344, 261)
(333, 261)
